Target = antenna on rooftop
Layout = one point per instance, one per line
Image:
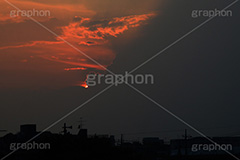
(65, 127)
(81, 123)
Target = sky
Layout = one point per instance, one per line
(197, 79)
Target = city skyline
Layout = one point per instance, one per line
(188, 49)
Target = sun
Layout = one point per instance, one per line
(84, 85)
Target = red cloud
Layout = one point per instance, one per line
(89, 32)
(90, 36)
(10, 14)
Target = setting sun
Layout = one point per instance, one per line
(84, 85)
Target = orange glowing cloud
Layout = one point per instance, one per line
(9, 14)
(75, 69)
(89, 32)
(89, 35)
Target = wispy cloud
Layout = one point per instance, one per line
(90, 35)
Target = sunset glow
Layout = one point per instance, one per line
(84, 85)
(88, 39)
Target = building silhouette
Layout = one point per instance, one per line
(104, 147)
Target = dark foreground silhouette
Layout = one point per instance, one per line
(50, 146)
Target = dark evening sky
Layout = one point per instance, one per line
(197, 79)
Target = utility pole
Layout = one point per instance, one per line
(65, 127)
(185, 139)
(81, 121)
(186, 136)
